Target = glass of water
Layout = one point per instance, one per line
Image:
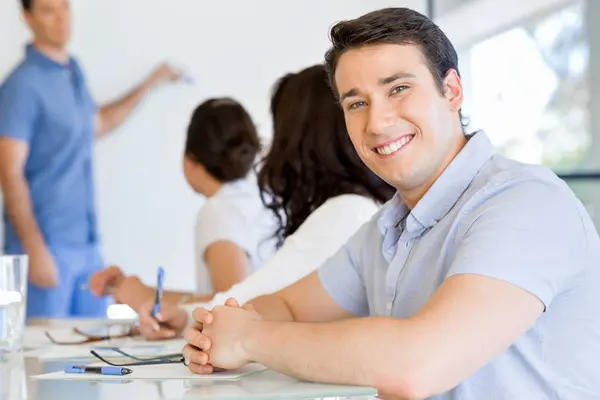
(13, 378)
(13, 295)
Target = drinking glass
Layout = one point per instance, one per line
(13, 297)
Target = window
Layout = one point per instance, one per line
(527, 87)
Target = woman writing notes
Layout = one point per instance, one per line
(318, 188)
(233, 226)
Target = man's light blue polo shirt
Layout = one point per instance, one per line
(491, 216)
(47, 105)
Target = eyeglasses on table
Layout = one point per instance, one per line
(172, 358)
(122, 332)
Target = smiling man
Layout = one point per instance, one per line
(479, 280)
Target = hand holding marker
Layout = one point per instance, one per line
(185, 77)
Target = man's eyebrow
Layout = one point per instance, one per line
(350, 93)
(383, 81)
(395, 77)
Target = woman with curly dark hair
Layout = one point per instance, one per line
(315, 185)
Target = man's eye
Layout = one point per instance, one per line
(399, 89)
(356, 104)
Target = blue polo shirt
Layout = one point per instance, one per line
(48, 106)
(490, 216)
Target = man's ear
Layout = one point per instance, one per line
(453, 90)
(28, 18)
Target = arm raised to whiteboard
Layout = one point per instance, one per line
(110, 116)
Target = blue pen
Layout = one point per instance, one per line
(159, 290)
(82, 369)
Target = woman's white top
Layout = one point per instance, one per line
(317, 239)
(235, 214)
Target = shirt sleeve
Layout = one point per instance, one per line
(218, 221)
(529, 234)
(18, 109)
(317, 239)
(342, 274)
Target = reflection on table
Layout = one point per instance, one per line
(16, 383)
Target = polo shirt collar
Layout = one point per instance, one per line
(37, 57)
(445, 191)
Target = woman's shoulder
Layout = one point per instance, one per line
(230, 197)
(236, 205)
(352, 204)
(344, 211)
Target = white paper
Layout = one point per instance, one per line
(157, 372)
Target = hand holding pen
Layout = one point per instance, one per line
(170, 322)
(158, 320)
(158, 294)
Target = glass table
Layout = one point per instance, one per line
(16, 384)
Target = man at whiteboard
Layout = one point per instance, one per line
(48, 121)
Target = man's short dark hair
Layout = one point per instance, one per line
(26, 4)
(394, 26)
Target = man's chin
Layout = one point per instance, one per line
(59, 43)
(402, 181)
(392, 169)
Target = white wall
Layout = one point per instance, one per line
(236, 48)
